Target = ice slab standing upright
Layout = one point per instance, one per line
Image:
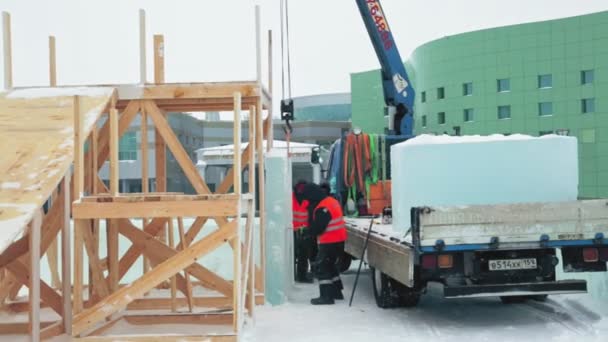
(279, 232)
(451, 171)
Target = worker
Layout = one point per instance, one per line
(302, 239)
(326, 223)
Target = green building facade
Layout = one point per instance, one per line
(538, 78)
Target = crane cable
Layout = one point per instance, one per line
(285, 41)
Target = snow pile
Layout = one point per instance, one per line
(449, 171)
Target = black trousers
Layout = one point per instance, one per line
(305, 251)
(327, 269)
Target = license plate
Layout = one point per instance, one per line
(512, 264)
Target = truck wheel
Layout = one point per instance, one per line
(389, 293)
(513, 299)
(344, 262)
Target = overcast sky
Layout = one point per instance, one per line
(97, 41)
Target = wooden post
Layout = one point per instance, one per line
(142, 46)
(144, 166)
(182, 236)
(66, 259)
(94, 153)
(78, 265)
(34, 285)
(112, 241)
(159, 59)
(8, 59)
(52, 62)
(114, 178)
(236, 249)
(78, 150)
(161, 162)
(173, 279)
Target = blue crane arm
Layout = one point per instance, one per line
(398, 91)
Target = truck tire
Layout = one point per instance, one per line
(389, 293)
(344, 262)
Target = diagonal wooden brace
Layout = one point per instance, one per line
(121, 298)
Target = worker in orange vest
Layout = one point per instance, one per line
(303, 241)
(326, 222)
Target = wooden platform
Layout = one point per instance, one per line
(36, 135)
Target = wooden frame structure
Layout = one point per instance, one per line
(90, 312)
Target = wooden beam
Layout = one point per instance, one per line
(195, 228)
(160, 151)
(93, 156)
(171, 234)
(47, 294)
(105, 326)
(99, 283)
(157, 251)
(79, 226)
(198, 318)
(126, 117)
(52, 62)
(8, 59)
(249, 281)
(180, 227)
(187, 90)
(221, 208)
(66, 259)
(34, 279)
(114, 165)
(19, 328)
(151, 338)
(144, 152)
(121, 298)
(177, 149)
(78, 150)
(159, 59)
(142, 46)
(51, 331)
(113, 248)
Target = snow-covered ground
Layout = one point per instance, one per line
(560, 318)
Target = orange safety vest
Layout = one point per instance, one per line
(336, 228)
(300, 213)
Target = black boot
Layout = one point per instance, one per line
(302, 278)
(326, 297)
(338, 295)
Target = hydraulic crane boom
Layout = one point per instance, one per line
(398, 92)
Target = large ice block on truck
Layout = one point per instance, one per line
(451, 171)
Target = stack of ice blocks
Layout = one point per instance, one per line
(452, 171)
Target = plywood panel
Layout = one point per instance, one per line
(36, 135)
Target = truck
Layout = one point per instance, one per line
(507, 250)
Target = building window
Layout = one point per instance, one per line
(424, 121)
(468, 115)
(588, 136)
(545, 81)
(545, 108)
(588, 105)
(441, 118)
(541, 133)
(587, 76)
(504, 112)
(423, 96)
(467, 89)
(503, 85)
(127, 146)
(440, 93)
